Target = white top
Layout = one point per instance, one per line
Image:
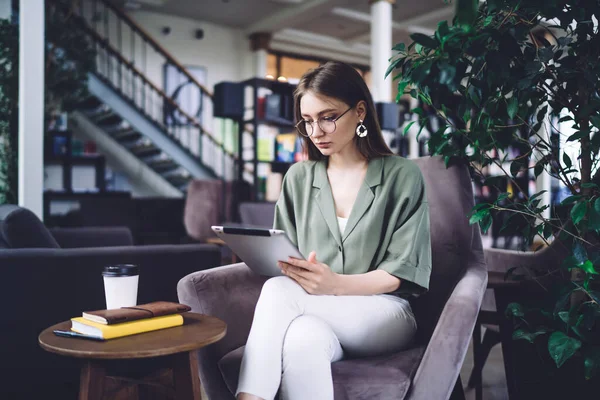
(342, 223)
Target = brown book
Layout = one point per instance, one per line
(142, 311)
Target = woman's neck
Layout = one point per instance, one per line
(346, 160)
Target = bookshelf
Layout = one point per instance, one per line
(67, 163)
(268, 144)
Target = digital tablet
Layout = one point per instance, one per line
(260, 249)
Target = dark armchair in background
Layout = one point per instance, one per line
(43, 284)
(446, 314)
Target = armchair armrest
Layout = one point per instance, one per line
(230, 293)
(448, 345)
(501, 260)
(69, 238)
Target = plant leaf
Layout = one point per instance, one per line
(424, 40)
(595, 120)
(570, 200)
(578, 212)
(402, 85)
(485, 224)
(594, 216)
(562, 301)
(567, 161)
(407, 127)
(562, 347)
(577, 135)
(564, 316)
(392, 66)
(589, 185)
(478, 216)
(535, 196)
(515, 310)
(515, 167)
(512, 105)
(501, 197)
(588, 267)
(591, 361)
(442, 31)
(399, 47)
(529, 336)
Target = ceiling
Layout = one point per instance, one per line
(344, 20)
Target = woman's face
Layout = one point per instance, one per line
(314, 107)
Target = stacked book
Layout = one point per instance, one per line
(110, 324)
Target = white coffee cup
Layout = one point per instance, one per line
(120, 285)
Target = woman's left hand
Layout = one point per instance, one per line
(313, 276)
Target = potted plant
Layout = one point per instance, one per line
(69, 58)
(512, 86)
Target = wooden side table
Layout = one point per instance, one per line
(172, 348)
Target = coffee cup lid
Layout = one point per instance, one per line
(121, 270)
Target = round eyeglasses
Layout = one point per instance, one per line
(326, 124)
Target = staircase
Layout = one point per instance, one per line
(135, 112)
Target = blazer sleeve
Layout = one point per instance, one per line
(408, 254)
(285, 218)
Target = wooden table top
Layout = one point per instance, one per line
(196, 332)
(215, 240)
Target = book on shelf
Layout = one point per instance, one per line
(286, 147)
(265, 144)
(102, 331)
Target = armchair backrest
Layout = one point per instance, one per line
(453, 241)
(259, 214)
(20, 228)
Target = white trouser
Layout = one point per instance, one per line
(296, 336)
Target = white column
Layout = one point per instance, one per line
(260, 63)
(31, 105)
(411, 135)
(543, 181)
(5, 9)
(381, 49)
(259, 45)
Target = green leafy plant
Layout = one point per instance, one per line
(509, 86)
(9, 86)
(69, 57)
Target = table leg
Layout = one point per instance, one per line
(477, 361)
(502, 297)
(185, 376)
(91, 381)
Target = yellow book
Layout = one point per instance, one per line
(101, 331)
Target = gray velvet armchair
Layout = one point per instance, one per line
(446, 314)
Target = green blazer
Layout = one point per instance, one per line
(387, 229)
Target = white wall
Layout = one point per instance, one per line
(223, 51)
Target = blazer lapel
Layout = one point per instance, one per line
(365, 195)
(324, 200)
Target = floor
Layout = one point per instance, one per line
(494, 380)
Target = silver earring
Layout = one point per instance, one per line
(361, 129)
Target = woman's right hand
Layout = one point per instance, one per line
(315, 277)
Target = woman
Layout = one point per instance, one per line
(361, 215)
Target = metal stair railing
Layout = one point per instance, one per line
(122, 48)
